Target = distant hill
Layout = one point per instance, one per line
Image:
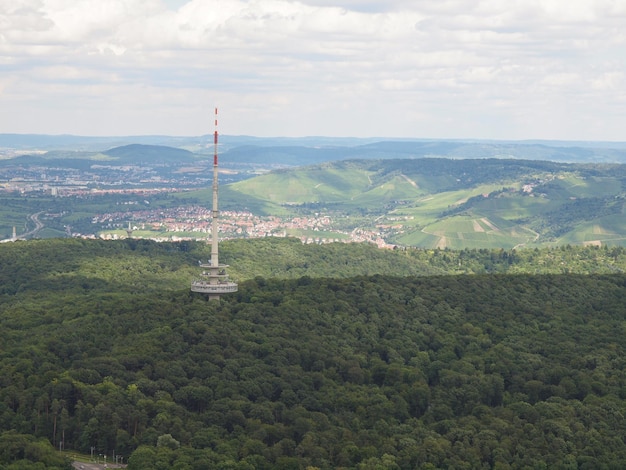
(470, 203)
(299, 151)
(369, 184)
(135, 153)
(90, 143)
(299, 155)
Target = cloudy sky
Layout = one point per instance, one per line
(494, 69)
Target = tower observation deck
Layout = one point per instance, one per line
(214, 280)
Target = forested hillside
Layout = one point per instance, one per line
(144, 265)
(103, 345)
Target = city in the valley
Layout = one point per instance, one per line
(129, 202)
(194, 222)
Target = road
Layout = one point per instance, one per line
(95, 466)
(87, 466)
(38, 226)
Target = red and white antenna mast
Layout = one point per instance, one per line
(215, 141)
(215, 213)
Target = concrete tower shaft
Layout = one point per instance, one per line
(214, 280)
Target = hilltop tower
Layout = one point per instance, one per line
(214, 280)
(129, 231)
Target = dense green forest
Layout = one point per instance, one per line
(338, 356)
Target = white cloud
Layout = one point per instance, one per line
(450, 68)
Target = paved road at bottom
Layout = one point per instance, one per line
(95, 466)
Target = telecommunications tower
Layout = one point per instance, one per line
(129, 231)
(214, 280)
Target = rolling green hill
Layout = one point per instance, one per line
(461, 203)
(132, 154)
(136, 154)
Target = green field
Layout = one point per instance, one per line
(305, 185)
(602, 231)
(468, 232)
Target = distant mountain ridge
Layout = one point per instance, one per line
(302, 155)
(312, 150)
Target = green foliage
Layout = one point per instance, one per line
(166, 440)
(288, 258)
(104, 346)
(143, 458)
(23, 451)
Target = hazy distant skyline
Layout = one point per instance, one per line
(492, 69)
